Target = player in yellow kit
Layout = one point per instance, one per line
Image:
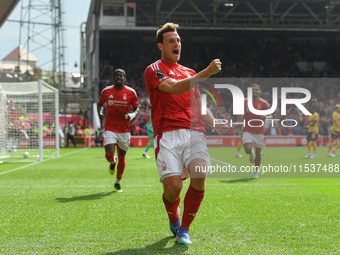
(239, 146)
(335, 131)
(312, 133)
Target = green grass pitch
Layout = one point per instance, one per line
(68, 205)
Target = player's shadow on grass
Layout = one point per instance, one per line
(155, 248)
(142, 158)
(87, 197)
(238, 180)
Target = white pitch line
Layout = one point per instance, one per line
(15, 169)
(221, 162)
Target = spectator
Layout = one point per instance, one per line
(71, 131)
(99, 140)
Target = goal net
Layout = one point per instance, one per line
(29, 123)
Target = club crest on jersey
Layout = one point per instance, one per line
(124, 97)
(110, 102)
(163, 165)
(159, 73)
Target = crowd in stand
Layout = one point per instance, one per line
(247, 56)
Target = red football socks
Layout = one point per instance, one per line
(171, 209)
(120, 167)
(192, 202)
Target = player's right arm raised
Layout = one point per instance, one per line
(180, 87)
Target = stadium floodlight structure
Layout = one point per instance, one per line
(29, 117)
(41, 29)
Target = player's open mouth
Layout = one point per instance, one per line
(176, 52)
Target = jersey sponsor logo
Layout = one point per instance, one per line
(159, 73)
(116, 103)
(171, 72)
(111, 96)
(163, 165)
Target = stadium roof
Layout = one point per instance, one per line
(296, 15)
(6, 8)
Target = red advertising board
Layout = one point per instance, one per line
(230, 141)
(135, 141)
(49, 142)
(279, 141)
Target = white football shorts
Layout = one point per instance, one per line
(176, 149)
(122, 139)
(256, 139)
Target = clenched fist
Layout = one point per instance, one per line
(214, 67)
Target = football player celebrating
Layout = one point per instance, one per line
(118, 99)
(180, 145)
(253, 136)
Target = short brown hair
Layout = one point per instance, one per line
(256, 85)
(167, 27)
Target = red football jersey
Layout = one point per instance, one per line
(259, 104)
(118, 103)
(172, 112)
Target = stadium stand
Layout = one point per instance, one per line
(243, 54)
